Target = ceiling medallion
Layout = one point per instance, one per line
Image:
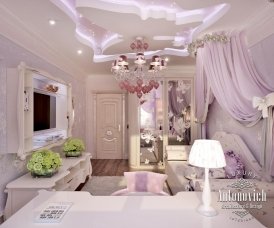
(140, 79)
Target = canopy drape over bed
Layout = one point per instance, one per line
(225, 70)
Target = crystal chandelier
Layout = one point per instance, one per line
(141, 79)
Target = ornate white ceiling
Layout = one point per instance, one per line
(99, 38)
(103, 29)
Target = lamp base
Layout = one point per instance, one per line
(207, 211)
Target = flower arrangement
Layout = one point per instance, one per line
(198, 43)
(44, 163)
(73, 147)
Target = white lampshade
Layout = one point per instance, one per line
(207, 154)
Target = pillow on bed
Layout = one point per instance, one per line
(234, 166)
(192, 172)
(142, 181)
(234, 169)
(217, 173)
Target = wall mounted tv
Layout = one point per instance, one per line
(44, 114)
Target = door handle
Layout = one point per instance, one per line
(119, 127)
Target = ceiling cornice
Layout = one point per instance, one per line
(260, 26)
(15, 30)
(99, 38)
(187, 69)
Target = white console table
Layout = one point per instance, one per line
(71, 174)
(126, 211)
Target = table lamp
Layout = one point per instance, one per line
(207, 154)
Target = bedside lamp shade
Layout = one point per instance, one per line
(207, 154)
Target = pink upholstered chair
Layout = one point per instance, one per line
(143, 183)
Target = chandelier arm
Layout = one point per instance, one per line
(140, 79)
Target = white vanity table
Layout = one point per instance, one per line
(126, 211)
(71, 174)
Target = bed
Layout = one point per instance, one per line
(183, 177)
(179, 178)
(176, 165)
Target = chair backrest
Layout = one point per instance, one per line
(143, 182)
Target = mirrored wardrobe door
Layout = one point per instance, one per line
(179, 103)
(151, 127)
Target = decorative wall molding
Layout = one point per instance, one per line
(124, 141)
(3, 109)
(15, 30)
(187, 69)
(19, 164)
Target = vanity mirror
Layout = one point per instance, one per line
(179, 112)
(151, 127)
(165, 117)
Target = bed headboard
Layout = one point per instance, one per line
(236, 144)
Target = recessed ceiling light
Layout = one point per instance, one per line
(79, 52)
(52, 22)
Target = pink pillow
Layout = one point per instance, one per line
(142, 181)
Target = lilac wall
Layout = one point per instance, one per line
(10, 166)
(263, 57)
(219, 120)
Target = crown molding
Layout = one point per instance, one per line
(16, 31)
(260, 26)
(174, 70)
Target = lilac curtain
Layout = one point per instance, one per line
(233, 78)
(227, 70)
(203, 94)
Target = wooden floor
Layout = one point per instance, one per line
(109, 167)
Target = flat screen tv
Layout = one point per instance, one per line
(44, 114)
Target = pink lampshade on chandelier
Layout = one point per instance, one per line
(141, 79)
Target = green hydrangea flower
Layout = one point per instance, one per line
(37, 167)
(73, 144)
(44, 161)
(30, 165)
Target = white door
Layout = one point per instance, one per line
(109, 126)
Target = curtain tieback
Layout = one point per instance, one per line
(263, 103)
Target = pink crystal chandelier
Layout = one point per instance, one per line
(141, 79)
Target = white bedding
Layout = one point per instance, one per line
(177, 170)
(176, 178)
